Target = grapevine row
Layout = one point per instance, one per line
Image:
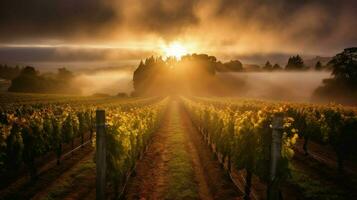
(128, 134)
(332, 125)
(30, 131)
(243, 138)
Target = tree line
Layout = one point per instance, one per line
(9, 72)
(31, 81)
(295, 63)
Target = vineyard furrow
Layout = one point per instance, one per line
(178, 165)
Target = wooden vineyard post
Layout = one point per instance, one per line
(100, 155)
(277, 132)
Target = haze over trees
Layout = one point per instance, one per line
(295, 63)
(193, 73)
(342, 86)
(8, 72)
(31, 81)
(318, 66)
(268, 66)
(231, 66)
(277, 67)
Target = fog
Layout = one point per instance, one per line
(290, 86)
(108, 82)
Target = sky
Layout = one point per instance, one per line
(122, 32)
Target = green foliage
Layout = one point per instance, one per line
(68, 129)
(34, 144)
(242, 135)
(13, 147)
(32, 128)
(328, 125)
(340, 128)
(127, 136)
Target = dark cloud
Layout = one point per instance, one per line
(274, 26)
(20, 19)
(166, 17)
(311, 22)
(63, 54)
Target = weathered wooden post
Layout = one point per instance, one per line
(100, 155)
(277, 133)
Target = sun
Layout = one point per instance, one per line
(175, 49)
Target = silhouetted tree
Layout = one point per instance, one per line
(29, 80)
(268, 66)
(231, 66)
(9, 73)
(201, 62)
(276, 67)
(64, 74)
(155, 75)
(295, 63)
(318, 66)
(344, 66)
(342, 87)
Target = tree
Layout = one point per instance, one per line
(64, 74)
(30, 80)
(318, 66)
(342, 87)
(158, 76)
(344, 66)
(233, 65)
(9, 73)
(295, 63)
(276, 67)
(29, 71)
(268, 66)
(27, 81)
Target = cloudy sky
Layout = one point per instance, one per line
(125, 31)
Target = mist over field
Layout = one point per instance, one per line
(292, 86)
(109, 82)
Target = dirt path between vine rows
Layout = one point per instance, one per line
(178, 165)
(28, 189)
(76, 183)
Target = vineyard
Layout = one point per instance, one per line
(54, 147)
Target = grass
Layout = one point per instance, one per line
(78, 177)
(182, 183)
(313, 188)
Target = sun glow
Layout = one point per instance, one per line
(175, 49)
